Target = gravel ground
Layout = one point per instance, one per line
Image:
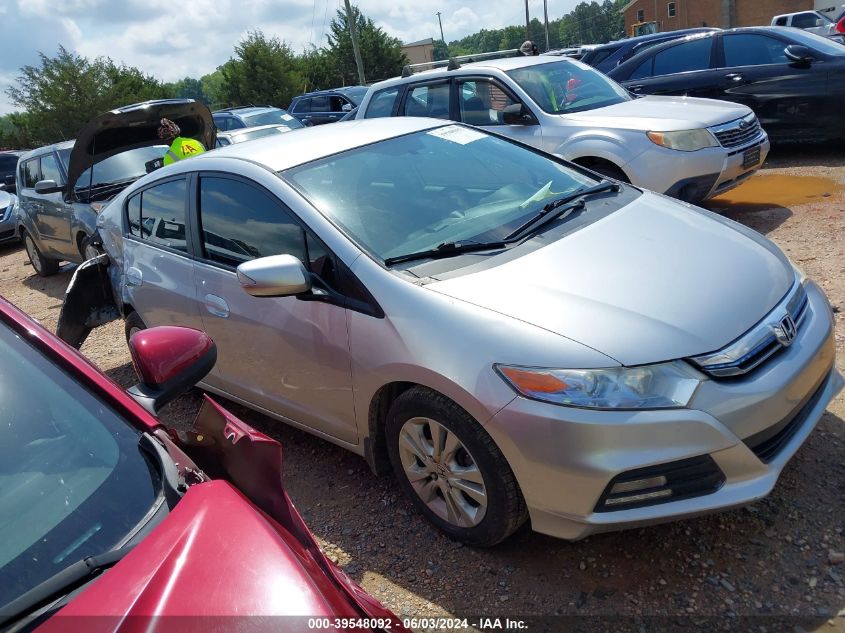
(782, 556)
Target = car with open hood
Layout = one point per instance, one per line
(62, 187)
(111, 519)
(513, 335)
(691, 149)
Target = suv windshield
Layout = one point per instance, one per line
(562, 87)
(445, 185)
(73, 481)
(127, 165)
(278, 117)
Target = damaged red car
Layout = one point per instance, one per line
(111, 521)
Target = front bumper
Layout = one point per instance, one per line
(695, 176)
(564, 458)
(8, 225)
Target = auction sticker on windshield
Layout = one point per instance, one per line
(457, 134)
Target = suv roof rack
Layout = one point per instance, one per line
(453, 63)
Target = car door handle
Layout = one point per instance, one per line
(734, 76)
(134, 277)
(217, 306)
(637, 88)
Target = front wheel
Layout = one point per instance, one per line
(43, 266)
(452, 470)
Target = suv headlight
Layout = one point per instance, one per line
(663, 386)
(685, 140)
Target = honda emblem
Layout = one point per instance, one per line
(785, 330)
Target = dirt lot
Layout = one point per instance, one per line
(773, 559)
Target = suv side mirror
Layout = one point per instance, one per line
(798, 54)
(274, 276)
(47, 186)
(346, 107)
(516, 114)
(9, 181)
(168, 360)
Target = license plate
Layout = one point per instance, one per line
(751, 157)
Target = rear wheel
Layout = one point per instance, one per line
(133, 323)
(43, 266)
(452, 470)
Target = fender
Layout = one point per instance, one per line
(606, 145)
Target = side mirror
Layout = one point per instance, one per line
(274, 276)
(47, 186)
(516, 114)
(168, 360)
(798, 54)
(346, 107)
(819, 22)
(9, 181)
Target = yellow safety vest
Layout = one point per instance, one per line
(182, 147)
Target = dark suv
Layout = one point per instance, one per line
(608, 56)
(8, 163)
(326, 106)
(251, 116)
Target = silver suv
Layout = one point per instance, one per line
(513, 335)
(691, 149)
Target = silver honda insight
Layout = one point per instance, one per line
(515, 337)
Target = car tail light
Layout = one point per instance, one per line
(840, 26)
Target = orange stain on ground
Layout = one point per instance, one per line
(780, 190)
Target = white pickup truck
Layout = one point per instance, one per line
(812, 21)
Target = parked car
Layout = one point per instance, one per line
(576, 52)
(250, 133)
(810, 21)
(62, 187)
(608, 56)
(326, 106)
(8, 164)
(8, 217)
(690, 149)
(789, 77)
(107, 512)
(253, 116)
(515, 336)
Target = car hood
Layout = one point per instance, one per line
(662, 114)
(136, 126)
(654, 281)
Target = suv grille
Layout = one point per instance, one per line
(737, 133)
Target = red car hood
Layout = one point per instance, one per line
(214, 555)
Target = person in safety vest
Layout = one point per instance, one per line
(180, 146)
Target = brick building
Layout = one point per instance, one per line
(683, 14)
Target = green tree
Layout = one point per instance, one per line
(319, 70)
(212, 88)
(381, 54)
(188, 88)
(441, 50)
(64, 92)
(265, 71)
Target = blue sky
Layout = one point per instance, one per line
(171, 39)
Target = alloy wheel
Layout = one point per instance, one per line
(32, 253)
(442, 472)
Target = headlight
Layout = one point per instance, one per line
(684, 141)
(664, 386)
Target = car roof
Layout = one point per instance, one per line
(245, 110)
(248, 130)
(634, 41)
(44, 149)
(283, 151)
(343, 90)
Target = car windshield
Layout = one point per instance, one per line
(817, 42)
(73, 482)
(122, 167)
(278, 117)
(449, 184)
(562, 87)
(598, 55)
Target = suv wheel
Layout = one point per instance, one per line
(452, 470)
(43, 266)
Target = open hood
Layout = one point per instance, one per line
(134, 126)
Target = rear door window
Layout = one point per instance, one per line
(320, 104)
(303, 105)
(429, 100)
(684, 57)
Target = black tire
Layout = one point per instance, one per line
(505, 507)
(609, 170)
(87, 248)
(43, 266)
(132, 323)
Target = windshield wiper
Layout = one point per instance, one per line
(446, 249)
(574, 200)
(61, 584)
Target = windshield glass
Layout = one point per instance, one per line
(121, 167)
(817, 42)
(73, 482)
(278, 117)
(355, 95)
(415, 192)
(562, 87)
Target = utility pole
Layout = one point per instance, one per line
(546, 16)
(527, 23)
(355, 49)
(442, 39)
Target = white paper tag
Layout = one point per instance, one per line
(457, 134)
(287, 117)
